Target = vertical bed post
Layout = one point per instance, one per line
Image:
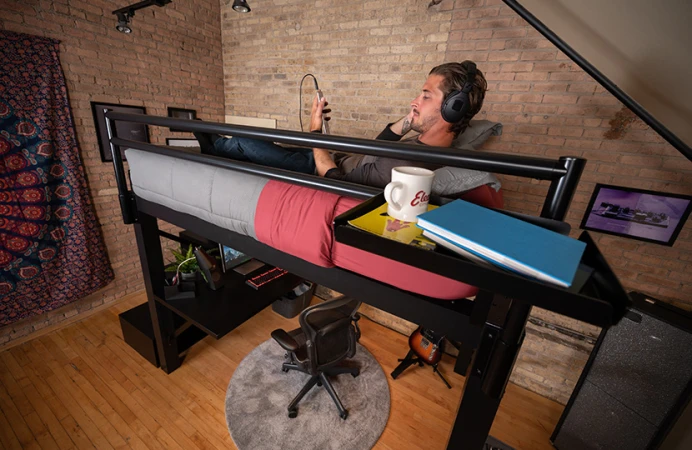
(489, 374)
(151, 258)
(503, 335)
(561, 190)
(125, 196)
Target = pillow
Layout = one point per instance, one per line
(477, 133)
(450, 181)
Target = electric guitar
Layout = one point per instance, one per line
(427, 345)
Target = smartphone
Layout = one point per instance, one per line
(325, 124)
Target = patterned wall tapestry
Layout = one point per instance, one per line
(51, 249)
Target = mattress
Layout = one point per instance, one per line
(293, 219)
(223, 197)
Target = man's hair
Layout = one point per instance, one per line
(454, 77)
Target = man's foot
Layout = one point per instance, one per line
(206, 141)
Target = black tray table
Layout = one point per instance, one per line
(600, 300)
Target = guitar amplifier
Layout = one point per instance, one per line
(635, 389)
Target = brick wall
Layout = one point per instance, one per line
(371, 57)
(172, 58)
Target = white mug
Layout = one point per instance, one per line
(408, 193)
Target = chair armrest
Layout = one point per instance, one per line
(285, 340)
(356, 318)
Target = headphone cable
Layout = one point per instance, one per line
(300, 96)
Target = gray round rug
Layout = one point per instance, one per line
(259, 393)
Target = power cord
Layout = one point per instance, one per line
(300, 96)
(177, 271)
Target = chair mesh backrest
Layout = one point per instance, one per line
(333, 341)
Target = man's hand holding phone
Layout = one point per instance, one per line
(318, 123)
(318, 118)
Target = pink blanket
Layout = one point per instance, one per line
(298, 221)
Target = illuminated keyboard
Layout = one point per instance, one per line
(265, 277)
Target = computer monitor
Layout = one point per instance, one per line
(231, 257)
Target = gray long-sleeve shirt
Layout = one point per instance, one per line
(373, 170)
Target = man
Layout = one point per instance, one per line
(425, 117)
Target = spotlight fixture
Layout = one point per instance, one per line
(125, 14)
(241, 6)
(124, 22)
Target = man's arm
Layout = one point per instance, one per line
(403, 125)
(323, 161)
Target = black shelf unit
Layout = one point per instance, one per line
(219, 312)
(213, 313)
(210, 312)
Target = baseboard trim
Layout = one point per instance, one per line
(67, 322)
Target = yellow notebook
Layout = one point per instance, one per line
(380, 223)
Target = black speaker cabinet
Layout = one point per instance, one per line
(635, 389)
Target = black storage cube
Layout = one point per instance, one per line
(138, 332)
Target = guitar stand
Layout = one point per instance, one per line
(410, 360)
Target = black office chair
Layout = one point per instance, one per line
(327, 336)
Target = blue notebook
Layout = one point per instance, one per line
(512, 243)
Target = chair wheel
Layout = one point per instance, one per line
(293, 413)
(356, 373)
(344, 415)
(284, 369)
(319, 383)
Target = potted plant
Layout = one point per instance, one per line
(185, 265)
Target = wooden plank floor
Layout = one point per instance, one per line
(83, 387)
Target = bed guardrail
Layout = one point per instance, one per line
(564, 172)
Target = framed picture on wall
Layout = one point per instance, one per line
(180, 113)
(644, 215)
(124, 130)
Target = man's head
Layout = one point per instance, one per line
(442, 81)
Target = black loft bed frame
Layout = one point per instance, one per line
(493, 324)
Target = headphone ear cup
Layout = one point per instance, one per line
(455, 106)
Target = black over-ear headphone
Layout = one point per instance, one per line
(457, 103)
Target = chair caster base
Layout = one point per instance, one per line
(344, 415)
(283, 369)
(292, 413)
